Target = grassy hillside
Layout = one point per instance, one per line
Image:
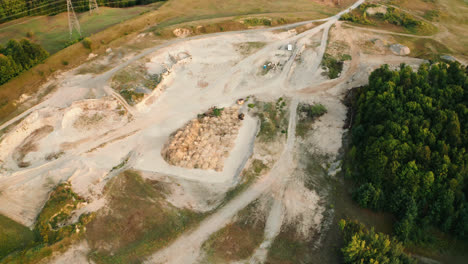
(52, 31)
(449, 15)
(13, 236)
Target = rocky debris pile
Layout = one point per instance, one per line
(205, 142)
(182, 32)
(399, 49)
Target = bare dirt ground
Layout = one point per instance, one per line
(93, 133)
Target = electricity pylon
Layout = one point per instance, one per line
(93, 6)
(72, 19)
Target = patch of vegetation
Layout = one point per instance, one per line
(87, 43)
(217, 111)
(287, 248)
(273, 119)
(367, 246)
(408, 153)
(13, 236)
(248, 176)
(252, 22)
(139, 221)
(432, 15)
(424, 48)
(120, 165)
(248, 48)
(307, 115)
(239, 239)
(133, 82)
(131, 96)
(392, 16)
(17, 57)
(332, 66)
(52, 232)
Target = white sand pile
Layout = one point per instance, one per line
(399, 49)
(204, 142)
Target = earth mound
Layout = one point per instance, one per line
(205, 142)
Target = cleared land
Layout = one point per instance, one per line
(274, 188)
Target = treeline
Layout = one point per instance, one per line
(17, 57)
(13, 9)
(409, 148)
(367, 246)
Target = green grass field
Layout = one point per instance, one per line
(52, 31)
(13, 236)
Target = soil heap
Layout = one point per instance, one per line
(205, 142)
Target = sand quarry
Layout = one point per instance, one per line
(84, 129)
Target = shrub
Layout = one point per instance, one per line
(87, 43)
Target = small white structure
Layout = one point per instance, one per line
(290, 47)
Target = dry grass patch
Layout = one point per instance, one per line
(137, 221)
(239, 239)
(248, 48)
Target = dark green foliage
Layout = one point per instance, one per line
(396, 17)
(257, 22)
(332, 65)
(13, 9)
(367, 246)
(307, 114)
(16, 57)
(272, 119)
(409, 147)
(217, 111)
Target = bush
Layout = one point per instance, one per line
(87, 43)
(332, 66)
(367, 246)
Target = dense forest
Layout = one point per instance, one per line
(13, 9)
(18, 56)
(367, 246)
(409, 148)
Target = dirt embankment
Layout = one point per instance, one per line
(29, 145)
(205, 142)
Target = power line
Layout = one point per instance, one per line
(72, 19)
(93, 6)
(29, 10)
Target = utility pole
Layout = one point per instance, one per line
(93, 6)
(72, 19)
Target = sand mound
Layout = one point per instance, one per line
(182, 32)
(399, 49)
(205, 142)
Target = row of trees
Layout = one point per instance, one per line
(13, 9)
(17, 57)
(367, 246)
(409, 148)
